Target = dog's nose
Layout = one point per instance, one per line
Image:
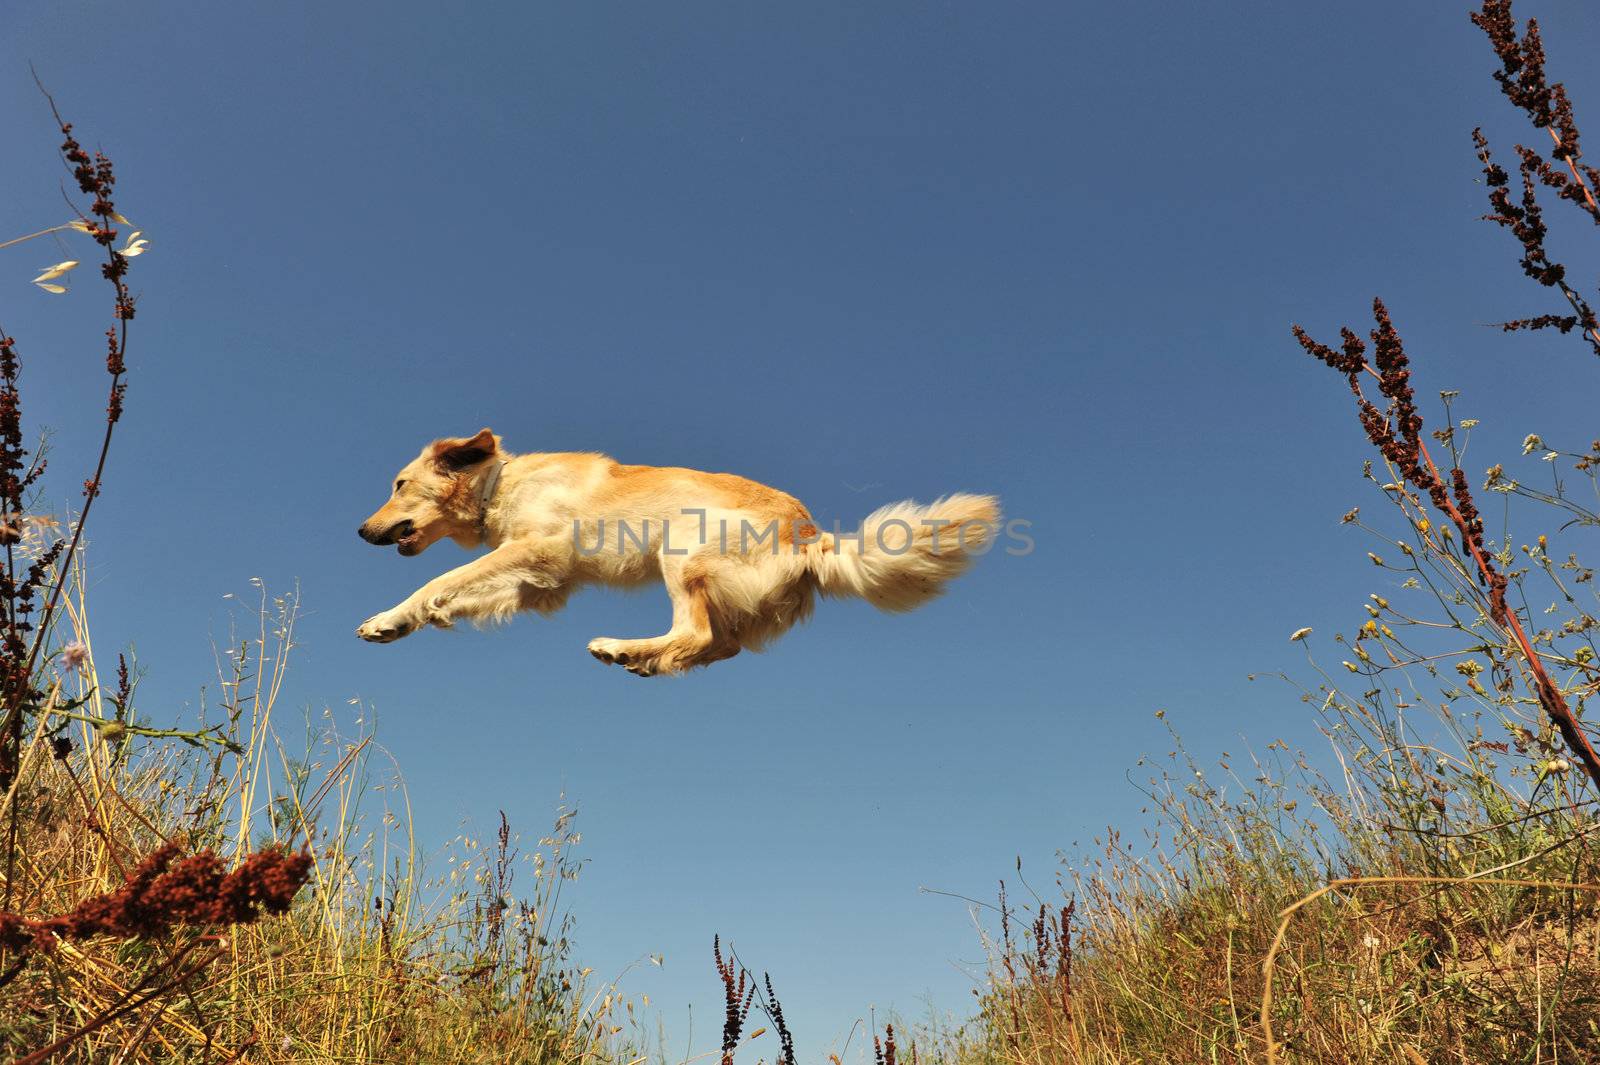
(366, 533)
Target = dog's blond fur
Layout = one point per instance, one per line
(556, 522)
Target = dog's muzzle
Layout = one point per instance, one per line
(393, 534)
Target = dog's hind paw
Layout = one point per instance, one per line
(609, 651)
(624, 653)
(384, 628)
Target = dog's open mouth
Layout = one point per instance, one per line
(410, 544)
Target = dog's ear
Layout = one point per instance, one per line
(456, 454)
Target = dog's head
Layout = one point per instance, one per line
(435, 496)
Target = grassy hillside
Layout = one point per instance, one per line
(373, 962)
(1422, 887)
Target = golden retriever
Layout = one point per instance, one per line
(741, 561)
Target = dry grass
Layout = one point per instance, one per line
(373, 963)
(1367, 932)
(1426, 890)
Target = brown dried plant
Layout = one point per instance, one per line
(1433, 894)
(1523, 80)
(1397, 434)
(166, 893)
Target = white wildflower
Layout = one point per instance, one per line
(74, 655)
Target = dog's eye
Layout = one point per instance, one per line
(399, 485)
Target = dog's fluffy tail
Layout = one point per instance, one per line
(904, 553)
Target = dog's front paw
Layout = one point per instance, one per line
(385, 628)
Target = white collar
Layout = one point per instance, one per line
(486, 495)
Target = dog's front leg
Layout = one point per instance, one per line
(487, 588)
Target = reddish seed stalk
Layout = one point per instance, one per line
(738, 994)
(1550, 697)
(1572, 165)
(162, 895)
(1397, 435)
(115, 270)
(95, 176)
(166, 892)
(1523, 80)
(1588, 195)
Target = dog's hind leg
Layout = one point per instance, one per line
(693, 639)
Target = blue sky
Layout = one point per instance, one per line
(860, 252)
